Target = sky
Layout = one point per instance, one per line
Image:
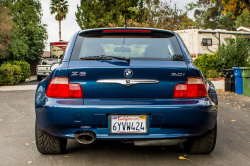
(69, 25)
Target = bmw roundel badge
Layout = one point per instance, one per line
(128, 73)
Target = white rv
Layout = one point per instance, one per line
(200, 41)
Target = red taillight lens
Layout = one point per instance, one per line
(194, 88)
(127, 30)
(60, 87)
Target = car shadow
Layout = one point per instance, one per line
(118, 149)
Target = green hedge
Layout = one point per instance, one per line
(25, 67)
(207, 63)
(10, 74)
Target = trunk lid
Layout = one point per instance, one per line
(167, 73)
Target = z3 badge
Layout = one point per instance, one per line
(76, 73)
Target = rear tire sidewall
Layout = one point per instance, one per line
(47, 143)
(203, 144)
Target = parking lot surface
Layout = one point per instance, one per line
(17, 139)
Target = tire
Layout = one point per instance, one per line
(39, 78)
(49, 144)
(203, 144)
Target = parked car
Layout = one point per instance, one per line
(43, 70)
(137, 85)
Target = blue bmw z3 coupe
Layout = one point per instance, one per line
(137, 85)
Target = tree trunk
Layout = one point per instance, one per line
(246, 3)
(60, 35)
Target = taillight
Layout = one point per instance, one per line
(193, 88)
(60, 87)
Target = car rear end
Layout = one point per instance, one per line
(157, 97)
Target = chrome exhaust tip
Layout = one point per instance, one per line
(85, 137)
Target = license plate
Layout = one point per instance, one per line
(128, 124)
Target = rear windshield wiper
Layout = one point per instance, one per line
(105, 57)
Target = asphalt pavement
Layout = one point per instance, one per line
(17, 146)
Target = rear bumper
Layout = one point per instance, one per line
(167, 118)
(44, 73)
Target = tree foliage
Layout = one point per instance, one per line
(246, 3)
(207, 62)
(236, 7)
(227, 21)
(208, 14)
(5, 30)
(60, 7)
(217, 13)
(139, 13)
(243, 20)
(164, 15)
(235, 53)
(102, 13)
(29, 33)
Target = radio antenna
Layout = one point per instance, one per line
(125, 26)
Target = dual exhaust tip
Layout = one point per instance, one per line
(86, 137)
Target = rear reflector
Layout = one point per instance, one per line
(194, 88)
(60, 87)
(127, 30)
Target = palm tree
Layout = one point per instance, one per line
(61, 8)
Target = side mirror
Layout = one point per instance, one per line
(54, 65)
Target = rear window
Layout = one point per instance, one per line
(133, 47)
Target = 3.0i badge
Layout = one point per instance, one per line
(128, 73)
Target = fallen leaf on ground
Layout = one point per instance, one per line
(65, 156)
(27, 143)
(246, 115)
(29, 162)
(34, 142)
(182, 158)
(233, 120)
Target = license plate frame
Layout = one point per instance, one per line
(144, 119)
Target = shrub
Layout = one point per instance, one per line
(212, 74)
(235, 54)
(10, 74)
(25, 67)
(206, 62)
